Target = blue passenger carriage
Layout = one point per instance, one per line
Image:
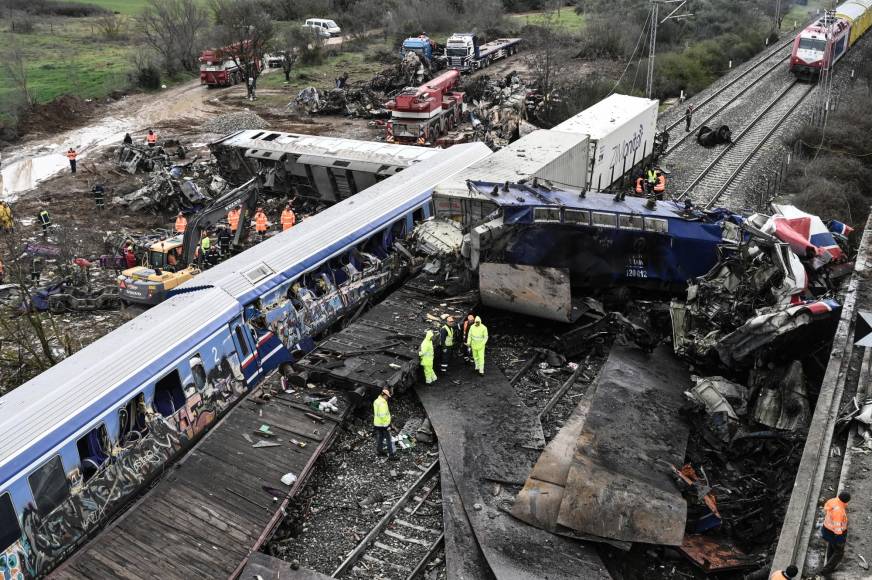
(81, 439)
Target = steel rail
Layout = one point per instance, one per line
(714, 163)
(757, 147)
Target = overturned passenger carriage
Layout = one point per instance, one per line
(325, 169)
(81, 439)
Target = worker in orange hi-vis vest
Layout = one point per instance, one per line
(151, 138)
(71, 155)
(835, 530)
(233, 218)
(788, 573)
(261, 224)
(288, 217)
(181, 223)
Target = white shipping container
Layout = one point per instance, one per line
(621, 130)
(558, 156)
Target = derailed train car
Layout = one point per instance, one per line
(80, 440)
(325, 169)
(545, 242)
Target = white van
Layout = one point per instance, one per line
(323, 27)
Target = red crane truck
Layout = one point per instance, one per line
(419, 115)
(219, 68)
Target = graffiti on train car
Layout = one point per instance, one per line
(47, 540)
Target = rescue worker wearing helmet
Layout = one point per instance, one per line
(476, 339)
(425, 352)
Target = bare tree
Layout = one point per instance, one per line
(112, 26)
(15, 67)
(245, 27)
(173, 29)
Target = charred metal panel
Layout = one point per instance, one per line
(533, 290)
(619, 485)
(487, 435)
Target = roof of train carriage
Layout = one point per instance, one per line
(320, 237)
(40, 414)
(854, 9)
(328, 147)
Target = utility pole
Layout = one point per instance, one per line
(777, 16)
(652, 44)
(825, 86)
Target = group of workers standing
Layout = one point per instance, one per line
(472, 334)
(474, 338)
(207, 253)
(72, 154)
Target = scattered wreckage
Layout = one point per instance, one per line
(354, 101)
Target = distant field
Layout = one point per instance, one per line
(65, 56)
(568, 18)
(129, 7)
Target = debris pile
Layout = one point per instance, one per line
(180, 187)
(358, 101)
(771, 281)
(236, 121)
(498, 109)
(132, 158)
(411, 71)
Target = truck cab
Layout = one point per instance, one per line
(148, 285)
(461, 49)
(421, 45)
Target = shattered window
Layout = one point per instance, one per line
(576, 216)
(92, 450)
(49, 486)
(546, 214)
(603, 220)
(131, 418)
(657, 225)
(630, 222)
(10, 530)
(169, 396)
(198, 373)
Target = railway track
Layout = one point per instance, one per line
(732, 161)
(407, 537)
(722, 98)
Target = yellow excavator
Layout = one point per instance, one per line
(170, 263)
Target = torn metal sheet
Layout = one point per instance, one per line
(619, 484)
(715, 554)
(463, 557)
(532, 290)
(484, 433)
(538, 503)
(784, 404)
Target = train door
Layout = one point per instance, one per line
(245, 346)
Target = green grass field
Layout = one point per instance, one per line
(127, 7)
(568, 18)
(66, 56)
(359, 66)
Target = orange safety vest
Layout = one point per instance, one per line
(151, 137)
(233, 219)
(288, 219)
(71, 154)
(836, 516)
(181, 224)
(778, 575)
(260, 223)
(639, 185)
(661, 184)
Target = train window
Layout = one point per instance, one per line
(341, 163)
(10, 529)
(198, 372)
(271, 137)
(576, 216)
(242, 344)
(817, 44)
(658, 225)
(603, 220)
(93, 448)
(630, 222)
(546, 214)
(418, 215)
(131, 419)
(168, 394)
(49, 486)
